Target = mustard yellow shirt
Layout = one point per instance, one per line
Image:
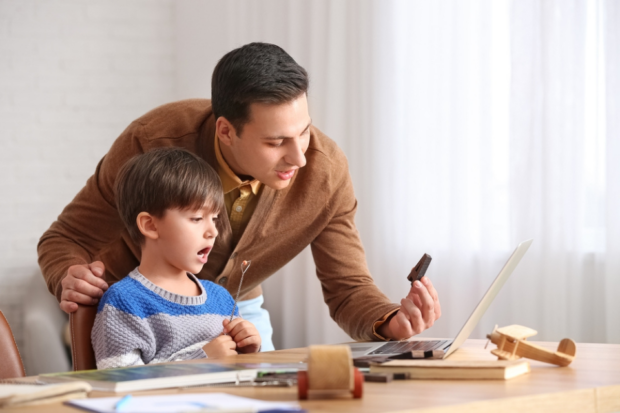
(240, 197)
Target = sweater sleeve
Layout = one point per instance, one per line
(91, 220)
(354, 301)
(120, 339)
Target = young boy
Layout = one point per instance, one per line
(169, 200)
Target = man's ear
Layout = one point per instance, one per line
(147, 225)
(225, 131)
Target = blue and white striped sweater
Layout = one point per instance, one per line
(140, 323)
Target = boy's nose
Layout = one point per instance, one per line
(211, 231)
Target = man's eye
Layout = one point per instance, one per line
(276, 145)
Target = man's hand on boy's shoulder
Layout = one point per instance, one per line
(244, 334)
(83, 284)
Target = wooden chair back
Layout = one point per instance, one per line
(81, 323)
(11, 365)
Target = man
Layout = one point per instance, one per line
(286, 186)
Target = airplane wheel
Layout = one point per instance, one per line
(358, 388)
(302, 385)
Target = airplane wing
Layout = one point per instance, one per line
(517, 332)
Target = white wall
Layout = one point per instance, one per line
(73, 74)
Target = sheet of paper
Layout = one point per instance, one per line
(180, 403)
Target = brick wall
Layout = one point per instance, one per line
(73, 74)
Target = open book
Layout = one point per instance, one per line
(156, 376)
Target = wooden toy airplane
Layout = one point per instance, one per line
(511, 345)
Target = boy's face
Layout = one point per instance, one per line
(185, 238)
(272, 144)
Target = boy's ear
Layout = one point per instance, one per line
(225, 131)
(147, 225)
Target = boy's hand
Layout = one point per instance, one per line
(83, 284)
(244, 334)
(220, 347)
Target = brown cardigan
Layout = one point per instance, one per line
(317, 208)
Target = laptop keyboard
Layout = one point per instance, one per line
(398, 347)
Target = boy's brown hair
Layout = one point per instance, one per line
(166, 178)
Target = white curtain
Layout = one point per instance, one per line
(469, 126)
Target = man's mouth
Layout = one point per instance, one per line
(203, 254)
(286, 175)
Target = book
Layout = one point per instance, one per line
(14, 395)
(156, 376)
(455, 370)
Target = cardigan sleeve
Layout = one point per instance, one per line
(354, 301)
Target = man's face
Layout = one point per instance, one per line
(272, 144)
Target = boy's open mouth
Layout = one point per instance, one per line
(203, 253)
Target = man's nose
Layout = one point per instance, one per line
(295, 155)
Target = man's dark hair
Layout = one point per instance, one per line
(165, 178)
(254, 73)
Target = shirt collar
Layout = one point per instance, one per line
(230, 180)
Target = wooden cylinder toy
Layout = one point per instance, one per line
(330, 370)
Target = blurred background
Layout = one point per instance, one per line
(469, 126)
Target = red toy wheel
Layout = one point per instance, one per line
(302, 385)
(358, 389)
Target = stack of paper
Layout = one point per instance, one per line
(184, 403)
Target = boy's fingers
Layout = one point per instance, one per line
(229, 325)
(230, 345)
(235, 326)
(252, 340)
(224, 342)
(222, 339)
(243, 334)
(242, 331)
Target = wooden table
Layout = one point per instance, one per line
(590, 384)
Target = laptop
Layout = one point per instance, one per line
(443, 348)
